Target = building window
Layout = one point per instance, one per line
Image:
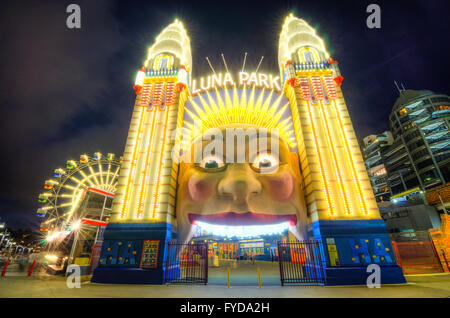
(408, 126)
(429, 175)
(412, 183)
(420, 154)
(308, 55)
(309, 58)
(163, 62)
(424, 164)
(439, 99)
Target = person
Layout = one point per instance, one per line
(252, 257)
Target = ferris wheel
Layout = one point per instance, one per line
(66, 190)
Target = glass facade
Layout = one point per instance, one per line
(371, 148)
(420, 153)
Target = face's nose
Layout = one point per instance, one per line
(239, 183)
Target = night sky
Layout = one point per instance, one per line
(67, 92)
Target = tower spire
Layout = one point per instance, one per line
(398, 88)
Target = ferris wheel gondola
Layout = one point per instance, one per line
(66, 190)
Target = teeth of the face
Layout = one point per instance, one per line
(243, 231)
(294, 230)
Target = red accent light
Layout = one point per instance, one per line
(108, 194)
(331, 61)
(93, 222)
(137, 88)
(339, 80)
(291, 82)
(181, 86)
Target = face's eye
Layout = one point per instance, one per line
(265, 163)
(211, 162)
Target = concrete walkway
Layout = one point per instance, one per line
(44, 286)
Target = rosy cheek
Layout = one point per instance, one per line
(199, 189)
(281, 187)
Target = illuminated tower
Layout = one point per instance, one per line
(342, 209)
(146, 187)
(144, 208)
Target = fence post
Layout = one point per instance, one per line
(280, 260)
(4, 268)
(397, 254)
(259, 277)
(31, 269)
(206, 263)
(321, 262)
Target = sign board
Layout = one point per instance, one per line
(219, 80)
(150, 250)
(252, 244)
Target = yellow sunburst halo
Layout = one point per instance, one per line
(257, 111)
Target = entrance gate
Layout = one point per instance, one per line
(186, 263)
(301, 262)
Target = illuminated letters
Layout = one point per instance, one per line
(360, 250)
(228, 79)
(243, 77)
(220, 81)
(253, 80)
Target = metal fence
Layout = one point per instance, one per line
(21, 265)
(417, 257)
(186, 263)
(301, 262)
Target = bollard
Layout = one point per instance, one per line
(31, 269)
(259, 277)
(4, 268)
(228, 281)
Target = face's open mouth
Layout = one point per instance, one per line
(242, 219)
(243, 225)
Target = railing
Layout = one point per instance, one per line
(416, 253)
(186, 263)
(301, 262)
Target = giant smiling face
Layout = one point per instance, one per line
(261, 190)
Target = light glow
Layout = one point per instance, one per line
(258, 111)
(76, 225)
(51, 257)
(243, 230)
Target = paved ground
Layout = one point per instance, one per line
(244, 283)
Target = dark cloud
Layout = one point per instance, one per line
(55, 97)
(66, 92)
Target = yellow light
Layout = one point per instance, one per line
(140, 205)
(76, 225)
(238, 110)
(322, 168)
(51, 257)
(132, 164)
(52, 236)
